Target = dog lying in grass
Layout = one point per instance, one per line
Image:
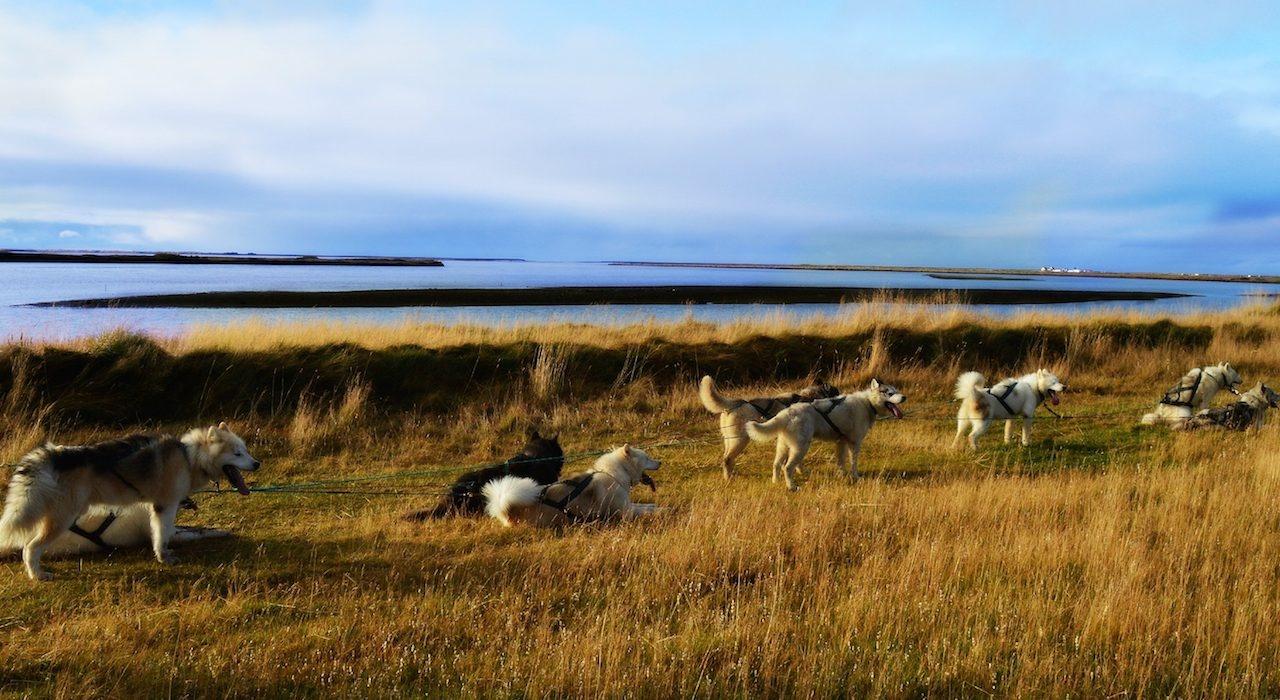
(1193, 394)
(1249, 412)
(844, 420)
(541, 460)
(736, 413)
(142, 476)
(1008, 400)
(603, 492)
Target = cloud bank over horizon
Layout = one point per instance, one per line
(1121, 136)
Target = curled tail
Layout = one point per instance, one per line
(29, 492)
(763, 432)
(968, 385)
(507, 493)
(712, 399)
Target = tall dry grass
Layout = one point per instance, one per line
(1104, 560)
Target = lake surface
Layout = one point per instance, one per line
(26, 283)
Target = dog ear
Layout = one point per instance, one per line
(223, 426)
(626, 449)
(533, 434)
(213, 431)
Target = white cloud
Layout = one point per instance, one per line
(68, 233)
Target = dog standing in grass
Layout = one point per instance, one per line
(1193, 394)
(736, 413)
(1009, 400)
(601, 493)
(55, 484)
(844, 420)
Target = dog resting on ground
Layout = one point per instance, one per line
(1008, 400)
(1249, 412)
(601, 493)
(54, 485)
(1193, 394)
(542, 459)
(844, 420)
(736, 413)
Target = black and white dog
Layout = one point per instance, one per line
(540, 460)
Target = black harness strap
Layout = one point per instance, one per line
(1008, 389)
(826, 416)
(96, 536)
(579, 483)
(1173, 396)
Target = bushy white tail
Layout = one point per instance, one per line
(968, 384)
(24, 504)
(712, 399)
(764, 432)
(509, 491)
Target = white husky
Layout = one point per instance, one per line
(603, 492)
(844, 420)
(1010, 399)
(1193, 394)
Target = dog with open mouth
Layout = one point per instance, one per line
(844, 420)
(55, 486)
(1011, 399)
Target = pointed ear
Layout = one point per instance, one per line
(533, 434)
(223, 426)
(626, 449)
(875, 383)
(213, 431)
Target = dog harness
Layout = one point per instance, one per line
(1237, 416)
(579, 484)
(826, 416)
(96, 536)
(1002, 398)
(1173, 397)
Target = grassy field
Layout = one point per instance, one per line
(1105, 559)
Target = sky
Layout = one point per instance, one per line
(1114, 135)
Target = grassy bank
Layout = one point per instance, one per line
(1103, 559)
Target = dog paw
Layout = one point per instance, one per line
(166, 557)
(40, 576)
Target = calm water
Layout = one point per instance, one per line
(25, 283)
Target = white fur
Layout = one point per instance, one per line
(798, 426)
(979, 407)
(509, 491)
(1215, 378)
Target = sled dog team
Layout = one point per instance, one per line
(127, 492)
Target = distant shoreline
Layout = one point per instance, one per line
(584, 296)
(1021, 272)
(11, 256)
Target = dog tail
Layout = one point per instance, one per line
(30, 490)
(1150, 419)
(508, 493)
(763, 432)
(968, 384)
(712, 399)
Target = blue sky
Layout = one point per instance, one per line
(1116, 135)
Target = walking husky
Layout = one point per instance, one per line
(55, 484)
(542, 459)
(1249, 412)
(1010, 399)
(1193, 393)
(844, 420)
(601, 493)
(736, 413)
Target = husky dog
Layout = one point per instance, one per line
(55, 484)
(1193, 393)
(540, 460)
(1249, 412)
(844, 420)
(1011, 398)
(601, 493)
(736, 413)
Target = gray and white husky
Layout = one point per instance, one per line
(1193, 394)
(59, 489)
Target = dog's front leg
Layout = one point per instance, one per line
(162, 528)
(1026, 431)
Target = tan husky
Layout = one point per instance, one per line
(844, 420)
(736, 413)
(55, 484)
